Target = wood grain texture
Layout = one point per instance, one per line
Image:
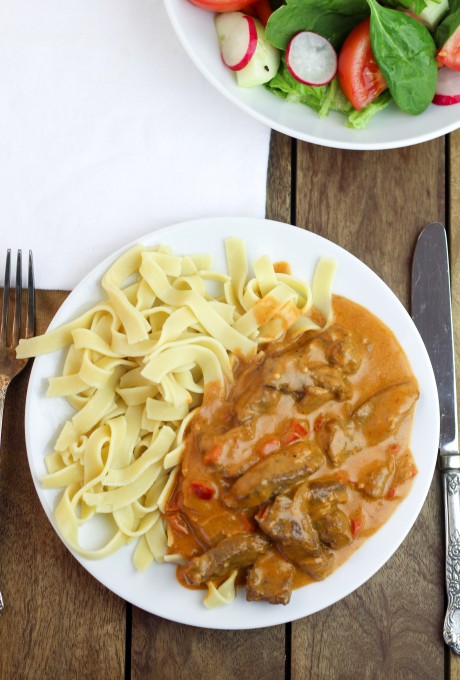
(454, 243)
(162, 649)
(280, 178)
(374, 205)
(59, 622)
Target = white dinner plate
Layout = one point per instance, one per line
(389, 129)
(156, 590)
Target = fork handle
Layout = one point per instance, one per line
(3, 387)
(450, 470)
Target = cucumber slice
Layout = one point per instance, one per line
(264, 63)
(433, 12)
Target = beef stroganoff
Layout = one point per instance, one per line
(250, 428)
(305, 457)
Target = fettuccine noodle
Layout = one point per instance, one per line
(137, 368)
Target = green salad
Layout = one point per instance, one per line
(350, 56)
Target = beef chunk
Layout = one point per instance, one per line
(313, 398)
(331, 378)
(375, 479)
(318, 566)
(287, 522)
(288, 372)
(344, 350)
(275, 474)
(323, 494)
(334, 528)
(320, 361)
(338, 440)
(231, 553)
(270, 578)
(382, 414)
(312, 517)
(335, 346)
(405, 469)
(259, 401)
(328, 383)
(231, 452)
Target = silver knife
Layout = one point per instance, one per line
(432, 314)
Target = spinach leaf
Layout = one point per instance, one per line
(449, 25)
(406, 54)
(276, 4)
(333, 19)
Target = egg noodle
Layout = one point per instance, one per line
(135, 372)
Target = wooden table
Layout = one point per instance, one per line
(61, 623)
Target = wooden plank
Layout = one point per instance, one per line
(454, 242)
(280, 178)
(375, 204)
(59, 621)
(162, 649)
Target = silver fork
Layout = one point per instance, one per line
(10, 332)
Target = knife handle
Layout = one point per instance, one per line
(451, 490)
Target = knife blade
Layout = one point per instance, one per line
(432, 314)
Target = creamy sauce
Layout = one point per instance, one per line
(197, 514)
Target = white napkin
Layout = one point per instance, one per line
(108, 131)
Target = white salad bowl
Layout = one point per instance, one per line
(389, 129)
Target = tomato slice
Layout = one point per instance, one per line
(359, 74)
(449, 54)
(223, 5)
(263, 10)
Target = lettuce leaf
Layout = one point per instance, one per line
(324, 98)
(321, 98)
(359, 119)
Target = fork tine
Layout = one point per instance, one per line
(6, 297)
(30, 329)
(17, 300)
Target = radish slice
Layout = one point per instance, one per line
(238, 39)
(264, 63)
(448, 87)
(311, 59)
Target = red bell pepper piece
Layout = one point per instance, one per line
(213, 455)
(202, 491)
(269, 446)
(319, 422)
(177, 524)
(262, 511)
(294, 431)
(357, 524)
